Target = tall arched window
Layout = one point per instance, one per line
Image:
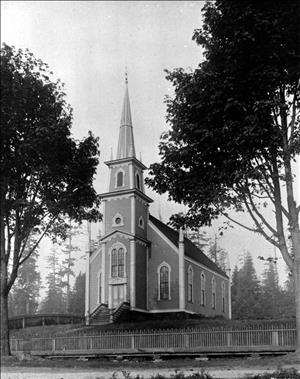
(213, 293)
(120, 179)
(223, 297)
(202, 289)
(190, 283)
(164, 289)
(118, 263)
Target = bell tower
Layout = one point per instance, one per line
(125, 211)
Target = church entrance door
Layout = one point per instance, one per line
(118, 295)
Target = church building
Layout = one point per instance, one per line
(141, 265)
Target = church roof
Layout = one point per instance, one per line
(190, 249)
(126, 147)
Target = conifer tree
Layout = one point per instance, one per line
(217, 254)
(288, 298)
(68, 263)
(23, 299)
(246, 293)
(271, 292)
(77, 298)
(54, 301)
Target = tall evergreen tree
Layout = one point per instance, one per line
(54, 301)
(246, 294)
(69, 261)
(77, 298)
(271, 292)
(217, 254)
(23, 298)
(288, 298)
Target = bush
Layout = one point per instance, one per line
(280, 374)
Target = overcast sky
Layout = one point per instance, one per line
(88, 45)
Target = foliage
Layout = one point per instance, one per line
(55, 300)
(77, 298)
(23, 299)
(265, 299)
(290, 373)
(235, 125)
(218, 255)
(246, 292)
(46, 175)
(271, 292)
(69, 262)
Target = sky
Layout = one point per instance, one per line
(89, 45)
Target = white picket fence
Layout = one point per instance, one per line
(278, 338)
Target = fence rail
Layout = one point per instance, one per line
(171, 340)
(23, 321)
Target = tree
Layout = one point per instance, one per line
(68, 263)
(235, 125)
(25, 291)
(246, 292)
(55, 299)
(77, 298)
(46, 175)
(271, 292)
(288, 305)
(217, 254)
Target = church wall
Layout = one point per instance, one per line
(161, 251)
(141, 276)
(195, 305)
(140, 211)
(95, 267)
(117, 206)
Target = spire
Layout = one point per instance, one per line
(126, 143)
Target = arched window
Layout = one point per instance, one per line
(138, 181)
(190, 283)
(120, 179)
(164, 289)
(213, 293)
(202, 300)
(223, 297)
(118, 263)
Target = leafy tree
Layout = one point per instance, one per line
(77, 298)
(235, 125)
(25, 291)
(46, 175)
(55, 300)
(246, 291)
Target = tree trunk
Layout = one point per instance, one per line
(5, 347)
(296, 274)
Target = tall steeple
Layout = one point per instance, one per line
(126, 147)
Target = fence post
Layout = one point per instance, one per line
(53, 345)
(186, 340)
(24, 322)
(132, 342)
(228, 339)
(275, 339)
